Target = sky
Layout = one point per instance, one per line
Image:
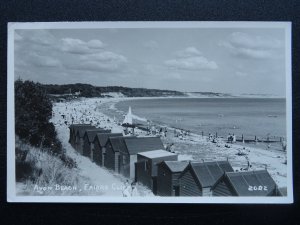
(226, 60)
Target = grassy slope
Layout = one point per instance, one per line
(46, 170)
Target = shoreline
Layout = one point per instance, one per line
(256, 140)
(193, 147)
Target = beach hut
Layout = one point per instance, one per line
(199, 177)
(100, 141)
(79, 137)
(111, 156)
(168, 173)
(146, 166)
(73, 129)
(88, 139)
(133, 146)
(249, 183)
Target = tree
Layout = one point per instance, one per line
(33, 109)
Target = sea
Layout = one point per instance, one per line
(250, 117)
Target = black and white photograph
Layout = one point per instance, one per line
(143, 112)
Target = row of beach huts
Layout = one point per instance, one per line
(145, 160)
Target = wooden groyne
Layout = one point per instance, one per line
(258, 139)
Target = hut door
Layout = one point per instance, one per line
(154, 185)
(176, 189)
(119, 163)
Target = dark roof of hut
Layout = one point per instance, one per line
(208, 173)
(81, 130)
(91, 134)
(143, 144)
(240, 182)
(76, 126)
(118, 144)
(176, 166)
(103, 137)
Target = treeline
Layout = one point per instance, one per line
(33, 110)
(87, 90)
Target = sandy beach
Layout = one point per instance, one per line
(189, 147)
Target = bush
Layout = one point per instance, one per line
(33, 109)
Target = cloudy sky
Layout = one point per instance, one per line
(193, 59)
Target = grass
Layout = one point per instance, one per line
(39, 172)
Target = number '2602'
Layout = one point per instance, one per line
(257, 188)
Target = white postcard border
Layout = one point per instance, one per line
(11, 184)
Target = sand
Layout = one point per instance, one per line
(191, 147)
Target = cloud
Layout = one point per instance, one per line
(189, 52)
(95, 44)
(105, 56)
(41, 48)
(191, 59)
(92, 56)
(249, 46)
(77, 46)
(192, 63)
(254, 53)
(37, 37)
(101, 61)
(43, 61)
(255, 42)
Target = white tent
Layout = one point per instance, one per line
(128, 117)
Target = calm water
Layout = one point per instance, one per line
(260, 117)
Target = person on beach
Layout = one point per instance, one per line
(127, 189)
(153, 130)
(134, 191)
(227, 146)
(157, 132)
(209, 136)
(283, 144)
(249, 165)
(233, 138)
(175, 133)
(228, 138)
(169, 147)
